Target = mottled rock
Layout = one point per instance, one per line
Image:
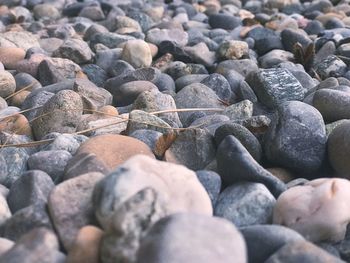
(7, 84)
(76, 50)
(246, 204)
(296, 138)
(70, 206)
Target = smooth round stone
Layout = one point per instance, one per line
(304, 208)
(168, 241)
(10, 56)
(156, 36)
(23, 80)
(86, 246)
(233, 49)
(296, 138)
(113, 150)
(45, 11)
(5, 245)
(17, 124)
(291, 36)
(220, 85)
(339, 148)
(178, 188)
(95, 74)
(264, 240)
(7, 84)
(61, 113)
(245, 204)
(224, 21)
(333, 104)
(242, 66)
(137, 53)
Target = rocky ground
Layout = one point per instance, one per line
(187, 131)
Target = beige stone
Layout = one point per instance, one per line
(17, 124)
(18, 99)
(319, 210)
(9, 56)
(86, 246)
(114, 149)
(137, 53)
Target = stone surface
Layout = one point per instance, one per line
(7, 84)
(316, 209)
(70, 206)
(33, 187)
(50, 162)
(137, 53)
(112, 150)
(192, 238)
(338, 149)
(67, 107)
(296, 138)
(245, 204)
(275, 86)
(264, 240)
(192, 148)
(235, 164)
(302, 251)
(86, 246)
(177, 186)
(211, 182)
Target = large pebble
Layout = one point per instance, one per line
(137, 53)
(192, 238)
(316, 209)
(70, 206)
(7, 84)
(296, 138)
(246, 204)
(177, 186)
(113, 150)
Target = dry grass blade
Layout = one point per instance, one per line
(19, 91)
(40, 142)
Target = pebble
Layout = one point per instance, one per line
(303, 208)
(124, 124)
(245, 204)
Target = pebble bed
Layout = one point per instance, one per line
(175, 131)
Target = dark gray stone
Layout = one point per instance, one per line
(76, 50)
(296, 138)
(65, 142)
(95, 74)
(25, 220)
(193, 148)
(220, 85)
(224, 21)
(246, 204)
(51, 162)
(264, 240)
(331, 66)
(33, 187)
(292, 36)
(235, 164)
(274, 86)
(248, 140)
